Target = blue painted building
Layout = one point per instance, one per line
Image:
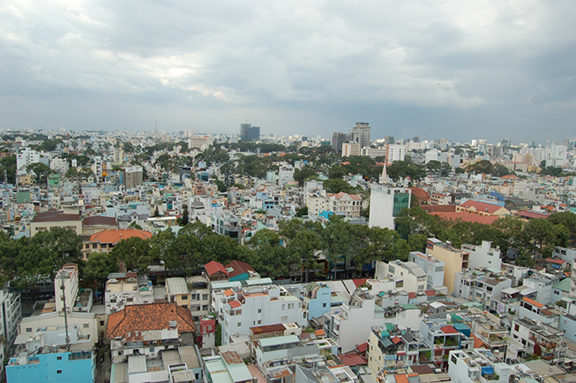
(317, 299)
(44, 358)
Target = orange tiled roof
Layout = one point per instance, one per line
(228, 293)
(468, 217)
(533, 302)
(149, 317)
(115, 236)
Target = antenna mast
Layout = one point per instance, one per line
(65, 310)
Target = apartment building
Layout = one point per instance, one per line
(472, 366)
(433, 268)
(258, 305)
(455, 260)
(412, 276)
(483, 256)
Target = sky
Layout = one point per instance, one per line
(436, 69)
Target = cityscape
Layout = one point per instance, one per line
(185, 257)
(288, 191)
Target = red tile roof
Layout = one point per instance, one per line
(478, 343)
(449, 330)
(116, 235)
(352, 359)
(359, 282)
(481, 206)
(401, 378)
(439, 208)
(213, 267)
(235, 304)
(420, 194)
(228, 293)
(467, 217)
(531, 214)
(396, 340)
(238, 268)
(362, 347)
(411, 295)
(430, 293)
(320, 332)
(156, 316)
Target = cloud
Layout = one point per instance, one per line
(292, 57)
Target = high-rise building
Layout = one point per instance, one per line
(133, 176)
(244, 128)
(386, 203)
(253, 133)
(338, 138)
(361, 134)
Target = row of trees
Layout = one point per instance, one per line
(335, 249)
(526, 239)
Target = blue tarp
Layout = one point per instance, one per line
(487, 370)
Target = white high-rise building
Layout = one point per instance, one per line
(26, 157)
(386, 203)
(395, 152)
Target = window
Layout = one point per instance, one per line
(283, 306)
(101, 323)
(284, 319)
(516, 327)
(204, 297)
(259, 311)
(239, 324)
(259, 321)
(205, 308)
(130, 299)
(58, 358)
(184, 297)
(324, 305)
(86, 325)
(151, 349)
(58, 371)
(28, 329)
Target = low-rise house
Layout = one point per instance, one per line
(472, 366)
(127, 289)
(104, 241)
(433, 267)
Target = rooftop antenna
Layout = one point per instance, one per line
(65, 310)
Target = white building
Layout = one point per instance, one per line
(386, 203)
(26, 157)
(433, 267)
(483, 256)
(350, 149)
(66, 287)
(10, 315)
(413, 277)
(352, 323)
(480, 286)
(544, 285)
(395, 152)
(59, 165)
(258, 306)
(127, 289)
(285, 174)
(472, 366)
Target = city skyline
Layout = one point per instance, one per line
(489, 70)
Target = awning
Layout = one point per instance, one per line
(510, 290)
(528, 291)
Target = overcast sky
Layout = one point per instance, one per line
(437, 69)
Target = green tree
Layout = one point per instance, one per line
(268, 255)
(134, 252)
(98, 266)
(41, 171)
(304, 174)
(185, 217)
(302, 250)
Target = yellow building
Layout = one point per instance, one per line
(177, 291)
(455, 260)
(48, 220)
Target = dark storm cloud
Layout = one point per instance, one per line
(460, 70)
